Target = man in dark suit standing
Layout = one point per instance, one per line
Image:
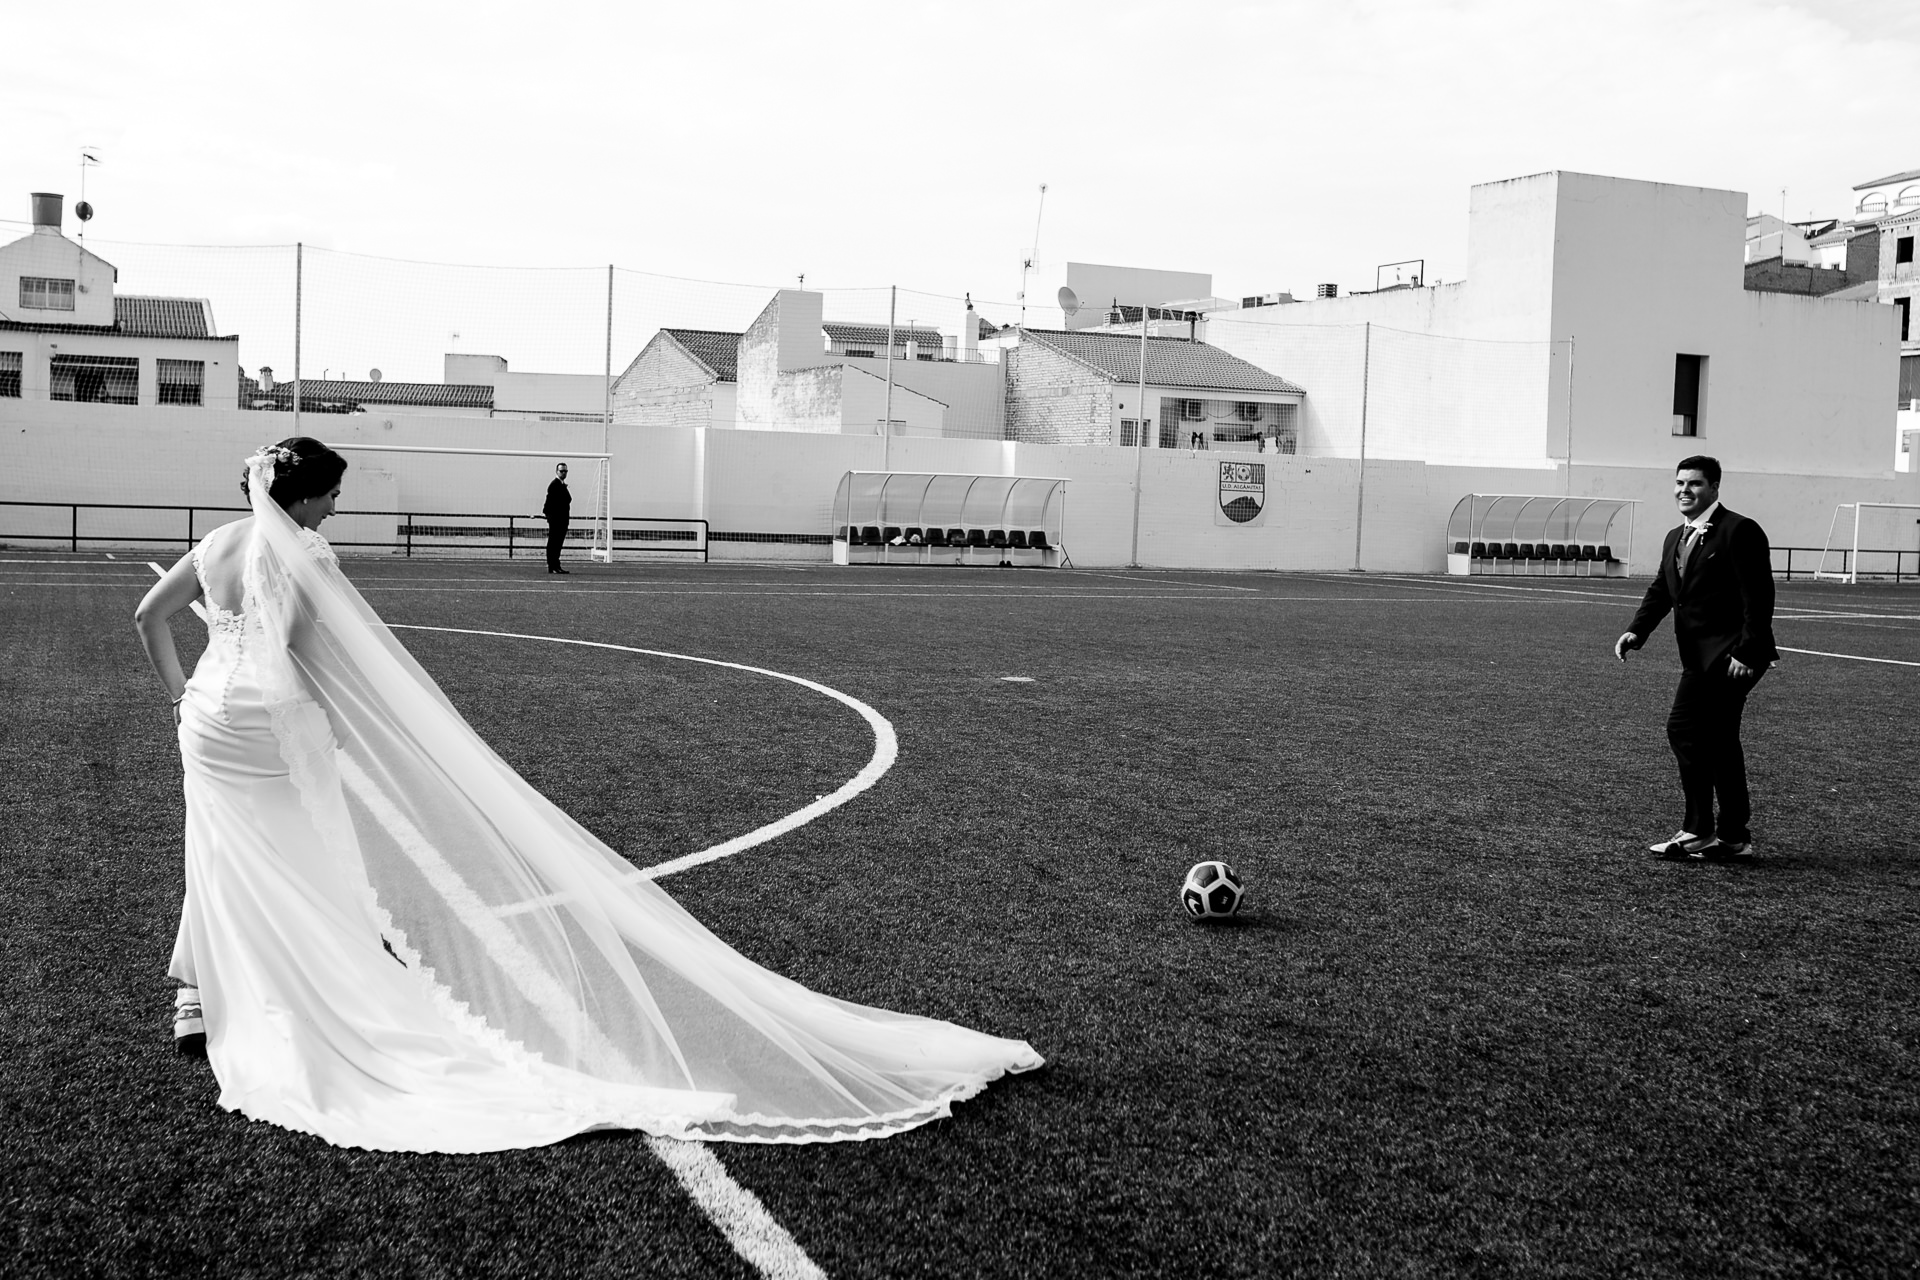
(1716, 578)
(559, 512)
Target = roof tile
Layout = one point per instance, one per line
(1171, 362)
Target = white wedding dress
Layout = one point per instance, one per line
(400, 945)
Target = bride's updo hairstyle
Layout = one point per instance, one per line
(303, 468)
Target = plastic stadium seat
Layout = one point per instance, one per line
(1479, 551)
(914, 534)
(976, 537)
(1526, 551)
(956, 537)
(1554, 551)
(1017, 539)
(893, 531)
(1459, 548)
(997, 539)
(870, 535)
(840, 532)
(1604, 552)
(1509, 551)
(1587, 552)
(1038, 540)
(936, 537)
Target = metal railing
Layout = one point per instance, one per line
(426, 530)
(1900, 572)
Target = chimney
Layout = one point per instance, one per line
(266, 378)
(46, 212)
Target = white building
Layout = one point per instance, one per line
(66, 335)
(547, 397)
(1635, 290)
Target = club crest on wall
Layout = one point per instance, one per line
(1243, 491)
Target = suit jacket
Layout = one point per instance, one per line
(1723, 606)
(559, 501)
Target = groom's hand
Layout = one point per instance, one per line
(1739, 670)
(1625, 645)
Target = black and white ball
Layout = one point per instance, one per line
(1212, 891)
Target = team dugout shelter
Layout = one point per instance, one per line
(1540, 535)
(920, 517)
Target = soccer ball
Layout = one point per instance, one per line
(1212, 891)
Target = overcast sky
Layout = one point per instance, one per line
(1275, 145)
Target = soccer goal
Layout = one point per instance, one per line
(1879, 540)
(419, 500)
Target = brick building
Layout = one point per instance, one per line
(1084, 388)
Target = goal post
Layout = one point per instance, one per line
(453, 498)
(1876, 540)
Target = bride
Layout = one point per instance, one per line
(399, 944)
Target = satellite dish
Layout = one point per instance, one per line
(83, 211)
(373, 375)
(1069, 300)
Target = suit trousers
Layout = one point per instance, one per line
(1704, 731)
(556, 538)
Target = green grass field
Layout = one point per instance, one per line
(1466, 1026)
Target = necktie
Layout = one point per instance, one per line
(1687, 544)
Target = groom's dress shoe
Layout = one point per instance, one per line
(1680, 846)
(1723, 851)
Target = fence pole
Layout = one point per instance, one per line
(1360, 497)
(1569, 485)
(886, 428)
(73, 530)
(299, 273)
(1139, 440)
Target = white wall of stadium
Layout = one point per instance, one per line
(769, 494)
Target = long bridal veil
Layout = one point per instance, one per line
(534, 940)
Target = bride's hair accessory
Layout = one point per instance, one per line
(295, 468)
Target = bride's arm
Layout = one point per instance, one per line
(177, 589)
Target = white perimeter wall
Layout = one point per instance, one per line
(784, 482)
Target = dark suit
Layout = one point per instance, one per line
(1722, 606)
(559, 513)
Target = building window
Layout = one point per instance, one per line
(1903, 250)
(1193, 411)
(1131, 436)
(10, 366)
(180, 380)
(868, 353)
(40, 293)
(1905, 307)
(95, 379)
(1872, 205)
(1689, 376)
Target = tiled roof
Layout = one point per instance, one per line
(439, 395)
(876, 334)
(1908, 176)
(136, 317)
(1171, 362)
(719, 351)
(161, 317)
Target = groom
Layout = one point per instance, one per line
(558, 513)
(1716, 578)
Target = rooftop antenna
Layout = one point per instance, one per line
(803, 282)
(89, 158)
(1033, 256)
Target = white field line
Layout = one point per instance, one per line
(1851, 657)
(753, 1232)
(1161, 582)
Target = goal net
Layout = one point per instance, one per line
(1874, 540)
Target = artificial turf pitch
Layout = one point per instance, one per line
(1466, 1026)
